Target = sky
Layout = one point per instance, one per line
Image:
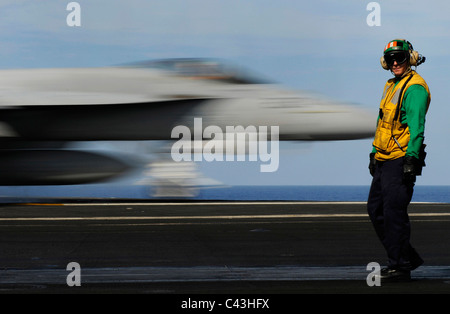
(324, 46)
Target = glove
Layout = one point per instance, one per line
(372, 164)
(410, 166)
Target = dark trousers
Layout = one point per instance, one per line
(387, 206)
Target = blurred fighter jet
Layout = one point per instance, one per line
(42, 110)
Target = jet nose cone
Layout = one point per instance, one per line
(330, 123)
(356, 123)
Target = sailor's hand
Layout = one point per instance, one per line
(372, 164)
(409, 169)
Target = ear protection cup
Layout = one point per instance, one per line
(383, 63)
(413, 57)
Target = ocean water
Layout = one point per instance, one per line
(436, 194)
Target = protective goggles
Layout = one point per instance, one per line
(399, 56)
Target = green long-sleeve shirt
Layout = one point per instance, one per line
(414, 108)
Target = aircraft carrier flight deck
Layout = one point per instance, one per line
(210, 247)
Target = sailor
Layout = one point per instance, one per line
(397, 157)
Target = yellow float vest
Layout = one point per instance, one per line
(392, 137)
